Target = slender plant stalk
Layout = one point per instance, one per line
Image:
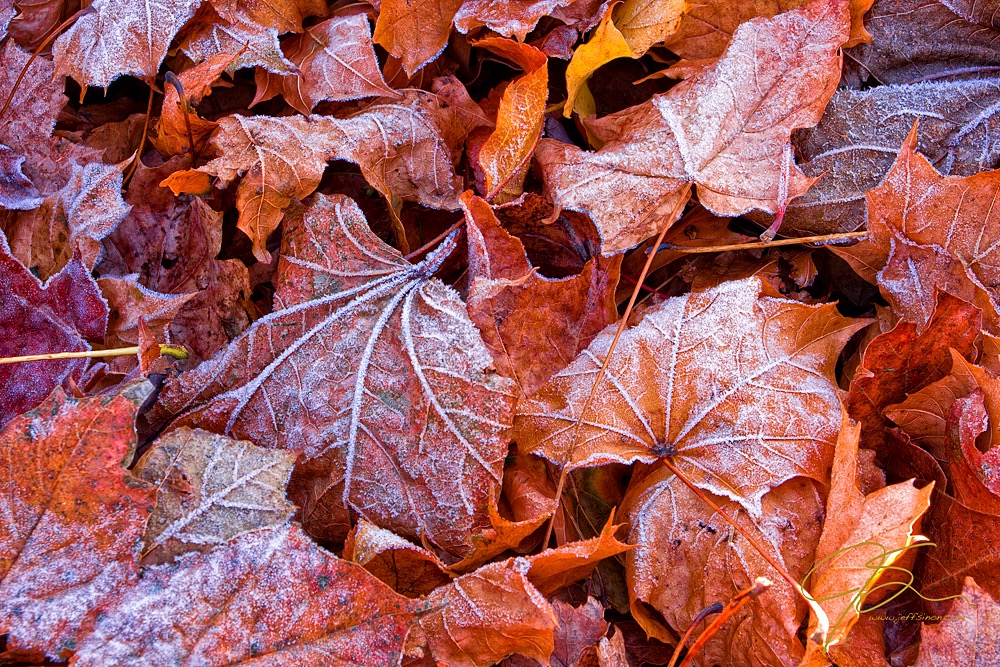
(172, 79)
(175, 351)
(757, 245)
(760, 585)
(623, 322)
(434, 241)
(145, 133)
(713, 608)
(822, 621)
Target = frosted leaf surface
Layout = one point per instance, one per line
(266, 598)
(335, 61)
(72, 517)
(856, 142)
(926, 40)
(399, 148)
(967, 636)
(120, 37)
(256, 45)
(210, 489)
(689, 558)
(486, 615)
(707, 28)
(738, 387)
(370, 363)
(727, 130)
(410, 570)
(511, 18)
(415, 31)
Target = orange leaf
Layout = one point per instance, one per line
(75, 516)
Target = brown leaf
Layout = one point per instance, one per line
(856, 143)
(506, 153)
(967, 635)
(71, 221)
(60, 315)
(688, 559)
(661, 398)
(209, 489)
(905, 360)
(415, 31)
(906, 206)
(172, 243)
(74, 517)
(251, 44)
(863, 537)
(973, 474)
(532, 325)
(398, 146)
(408, 569)
(373, 363)
(920, 40)
(513, 18)
(334, 59)
(485, 616)
(119, 37)
(129, 302)
(789, 67)
(269, 597)
(554, 569)
(177, 116)
(579, 629)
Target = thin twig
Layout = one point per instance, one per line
(713, 608)
(822, 621)
(681, 201)
(175, 351)
(757, 245)
(172, 79)
(760, 585)
(142, 142)
(434, 241)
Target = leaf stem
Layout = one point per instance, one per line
(623, 322)
(756, 245)
(822, 621)
(434, 241)
(713, 608)
(182, 102)
(175, 351)
(760, 585)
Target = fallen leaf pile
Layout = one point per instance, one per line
(569, 333)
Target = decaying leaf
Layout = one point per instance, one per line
(372, 364)
(415, 31)
(660, 398)
(268, 597)
(73, 516)
(967, 635)
(210, 489)
(734, 147)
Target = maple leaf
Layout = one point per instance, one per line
(863, 536)
(858, 139)
(177, 117)
(967, 635)
(129, 303)
(554, 569)
(688, 559)
(209, 489)
(415, 31)
(533, 325)
(971, 471)
(60, 315)
(505, 154)
(247, 42)
(579, 629)
(334, 59)
(661, 398)
(398, 146)
(916, 253)
(515, 18)
(919, 40)
(486, 615)
(269, 597)
(408, 569)
(73, 516)
(70, 221)
(119, 37)
(904, 360)
(734, 146)
(369, 361)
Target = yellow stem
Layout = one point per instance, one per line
(175, 351)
